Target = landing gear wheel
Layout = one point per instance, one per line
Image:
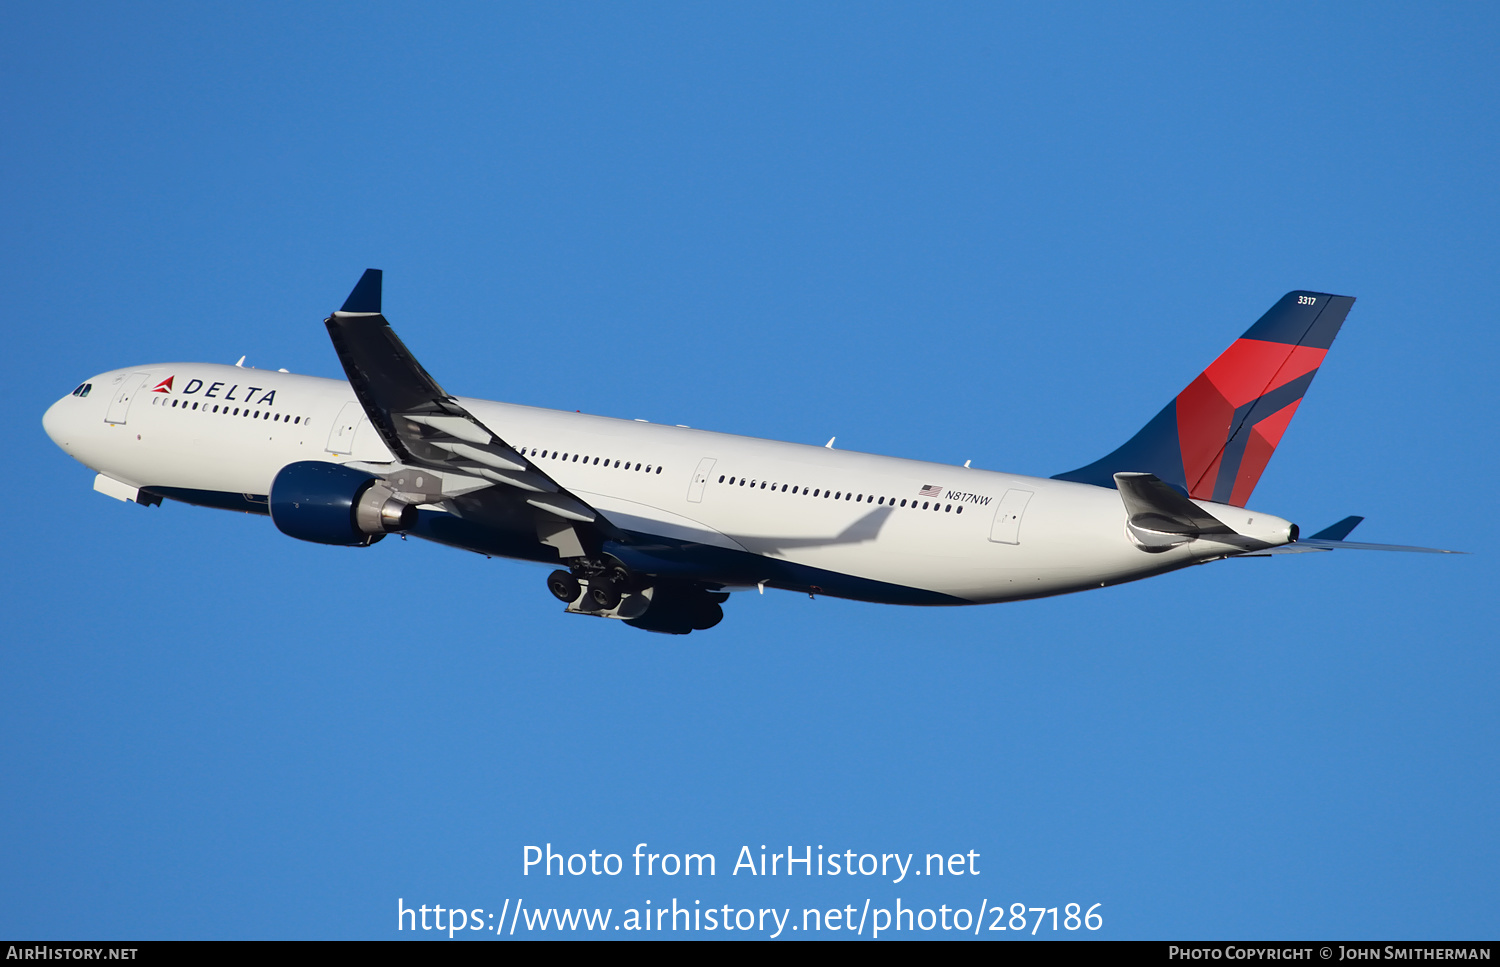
(603, 594)
(564, 586)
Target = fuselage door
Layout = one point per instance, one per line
(341, 437)
(120, 405)
(700, 479)
(1007, 526)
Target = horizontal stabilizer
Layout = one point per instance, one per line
(1331, 538)
(1337, 532)
(1312, 544)
(1356, 546)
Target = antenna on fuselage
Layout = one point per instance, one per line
(829, 444)
(241, 363)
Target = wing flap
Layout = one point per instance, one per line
(489, 458)
(455, 426)
(523, 480)
(569, 508)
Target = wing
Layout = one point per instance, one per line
(436, 440)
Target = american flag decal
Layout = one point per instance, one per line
(930, 490)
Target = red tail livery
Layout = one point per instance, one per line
(1214, 440)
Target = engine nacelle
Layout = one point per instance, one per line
(329, 504)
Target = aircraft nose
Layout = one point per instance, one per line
(55, 421)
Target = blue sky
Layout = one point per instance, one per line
(1001, 233)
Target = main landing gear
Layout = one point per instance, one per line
(616, 592)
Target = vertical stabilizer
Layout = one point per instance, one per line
(1215, 438)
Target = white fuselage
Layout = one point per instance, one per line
(956, 535)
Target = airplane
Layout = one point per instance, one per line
(654, 525)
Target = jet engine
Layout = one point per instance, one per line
(329, 504)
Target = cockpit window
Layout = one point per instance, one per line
(83, 390)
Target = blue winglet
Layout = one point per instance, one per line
(366, 294)
(1337, 532)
